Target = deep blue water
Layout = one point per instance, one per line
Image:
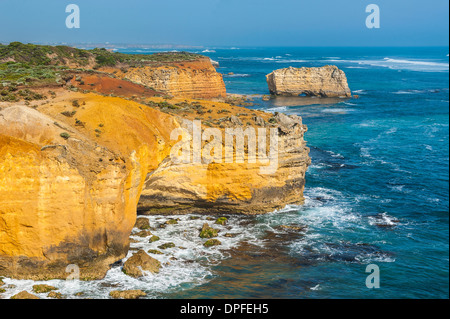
(377, 191)
(380, 159)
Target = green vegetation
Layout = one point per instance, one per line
(64, 135)
(272, 120)
(12, 94)
(26, 64)
(43, 288)
(32, 54)
(153, 239)
(212, 242)
(166, 245)
(154, 251)
(171, 222)
(221, 221)
(208, 232)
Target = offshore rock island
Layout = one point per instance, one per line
(326, 81)
(85, 142)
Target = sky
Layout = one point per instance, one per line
(250, 23)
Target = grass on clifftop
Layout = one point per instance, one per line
(39, 55)
(28, 64)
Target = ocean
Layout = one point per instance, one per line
(377, 192)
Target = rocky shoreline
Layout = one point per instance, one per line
(98, 143)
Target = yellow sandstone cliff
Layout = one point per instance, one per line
(72, 171)
(73, 201)
(190, 79)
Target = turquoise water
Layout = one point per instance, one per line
(377, 191)
(380, 158)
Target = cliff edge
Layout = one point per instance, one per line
(78, 164)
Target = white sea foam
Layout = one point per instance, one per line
(291, 61)
(278, 109)
(401, 64)
(337, 110)
(236, 75)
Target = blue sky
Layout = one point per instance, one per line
(228, 22)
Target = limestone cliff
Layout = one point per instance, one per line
(73, 200)
(72, 172)
(327, 81)
(190, 79)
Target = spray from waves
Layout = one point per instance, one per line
(338, 110)
(236, 75)
(277, 109)
(400, 64)
(328, 216)
(186, 265)
(292, 61)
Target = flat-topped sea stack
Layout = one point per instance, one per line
(191, 79)
(327, 81)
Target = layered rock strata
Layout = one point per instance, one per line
(68, 198)
(190, 79)
(327, 81)
(233, 187)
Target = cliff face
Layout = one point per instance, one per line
(73, 201)
(72, 198)
(327, 81)
(190, 79)
(233, 187)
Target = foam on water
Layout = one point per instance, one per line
(184, 266)
(400, 64)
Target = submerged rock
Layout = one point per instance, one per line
(56, 295)
(208, 232)
(327, 81)
(221, 221)
(143, 233)
(212, 242)
(155, 252)
(24, 295)
(138, 262)
(171, 222)
(142, 223)
(153, 239)
(43, 288)
(292, 227)
(231, 235)
(127, 294)
(166, 245)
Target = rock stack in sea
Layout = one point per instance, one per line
(327, 81)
